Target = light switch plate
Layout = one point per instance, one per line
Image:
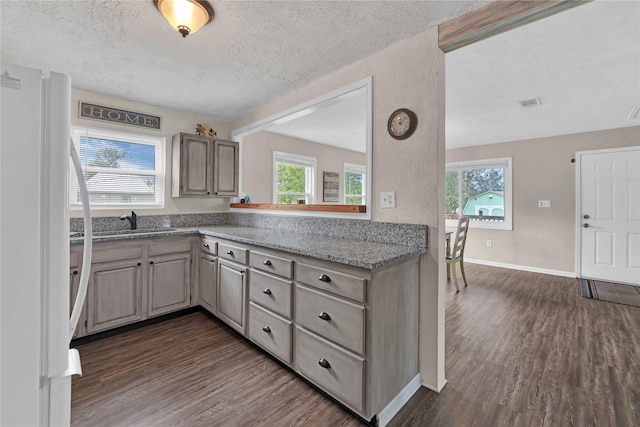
(544, 203)
(387, 199)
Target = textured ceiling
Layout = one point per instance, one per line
(583, 63)
(251, 53)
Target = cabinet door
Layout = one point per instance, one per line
(208, 279)
(231, 295)
(196, 166)
(225, 180)
(114, 297)
(169, 283)
(74, 283)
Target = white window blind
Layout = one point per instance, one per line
(122, 169)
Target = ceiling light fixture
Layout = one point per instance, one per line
(634, 113)
(186, 16)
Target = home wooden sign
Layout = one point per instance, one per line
(99, 112)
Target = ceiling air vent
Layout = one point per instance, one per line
(528, 103)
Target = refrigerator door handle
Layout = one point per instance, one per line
(86, 257)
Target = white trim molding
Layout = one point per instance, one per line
(561, 273)
(398, 402)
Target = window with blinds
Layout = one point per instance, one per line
(480, 190)
(122, 169)
(354, 184)
(293, 178)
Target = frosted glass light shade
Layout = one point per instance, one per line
(186, 16)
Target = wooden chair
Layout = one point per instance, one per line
(457, 253)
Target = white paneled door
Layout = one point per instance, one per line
(608, 206)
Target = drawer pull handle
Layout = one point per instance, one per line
(324, 363)
(324, 315)
(230, 253)
(324, 278)
(266, 329)
(267, 291)
(206, 245)
(267, 262)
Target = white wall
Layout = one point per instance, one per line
(542, 238)
(408, 74)
(257, 163)
(172, 122)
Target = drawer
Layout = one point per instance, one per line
(331, 281)
(209, 246)
(271, 332)
(271, 293)
(336, 319)
(117, 252)
(232, 253)
(271, 264)
(169, 247)
(330, 367)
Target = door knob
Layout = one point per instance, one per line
(585, 216)
(585, 225)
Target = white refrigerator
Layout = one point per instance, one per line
(36, 363)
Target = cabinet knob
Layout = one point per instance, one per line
(324, 315)
(139, 264)
(216, 193)
(267, 291)
(267, 262)
(266, 329)
(208, 192)
(206, 245)
(75, 272)
(230, 253)
(585, 225)
(324, 278)
(150, 262)
(324, 363)
(586, 217)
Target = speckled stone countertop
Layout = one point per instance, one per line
(357, 253)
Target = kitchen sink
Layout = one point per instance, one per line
(121, 232)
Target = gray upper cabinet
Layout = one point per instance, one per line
(204, 166)
(225, 168)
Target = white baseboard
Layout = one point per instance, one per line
(398, 402)
(561, 273)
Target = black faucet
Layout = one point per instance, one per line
(133, 219)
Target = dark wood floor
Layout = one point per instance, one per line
(523, 349)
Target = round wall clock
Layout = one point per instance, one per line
(402, 123)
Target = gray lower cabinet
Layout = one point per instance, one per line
(232, 294)
(352, 332)
(169, 283)
(114, 297)
(133, 280)
(208, 281)
(74, 283)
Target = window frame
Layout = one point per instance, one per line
(159, 144)
(309, 163)
(503, 162)
(353, 168)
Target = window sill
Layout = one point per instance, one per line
(307, 208)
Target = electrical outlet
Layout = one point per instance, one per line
(388, 199)
(544, 203)
(489, 243)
